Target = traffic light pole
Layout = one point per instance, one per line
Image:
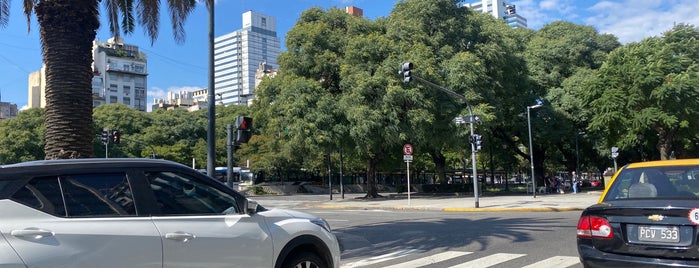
(471, 119)
(229, 157)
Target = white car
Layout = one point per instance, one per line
(147, 213)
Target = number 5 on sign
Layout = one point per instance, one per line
(694, 216)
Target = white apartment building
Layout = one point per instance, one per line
(120, 74)
(501, 10)
(237, 56)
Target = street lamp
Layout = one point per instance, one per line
(531, 150)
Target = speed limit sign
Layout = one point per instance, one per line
(407, 149)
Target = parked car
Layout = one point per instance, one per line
(648, 216)
(147, 213)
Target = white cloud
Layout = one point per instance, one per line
(634, 20)
(628, 20)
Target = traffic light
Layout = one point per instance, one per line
(105, 136)
(116, 137)
(243, 133)
(243, 123)
(405, 69)
(477, 140)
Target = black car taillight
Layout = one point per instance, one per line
(594, 227)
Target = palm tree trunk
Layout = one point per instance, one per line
(67, 30)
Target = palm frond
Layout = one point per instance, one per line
(149, 16)
(179, 10)
(127, 20)
(113, 16)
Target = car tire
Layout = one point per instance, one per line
(305, 260)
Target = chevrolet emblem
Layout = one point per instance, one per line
(656, 217)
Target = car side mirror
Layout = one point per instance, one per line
(250, 206)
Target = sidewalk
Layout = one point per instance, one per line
(501, 203)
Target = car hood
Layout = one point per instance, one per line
(285, 213)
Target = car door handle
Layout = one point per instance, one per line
(180, 236)
(34, 233)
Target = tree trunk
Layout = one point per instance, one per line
(665, 139)
(440, 163)
(67, 30)
(372, 188)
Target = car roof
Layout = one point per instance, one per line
(661, 163)
(87, 163)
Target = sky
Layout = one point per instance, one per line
(175, 67)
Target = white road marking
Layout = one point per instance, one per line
(382, 258)
(489, 261)
(430, 259)
(555, 262)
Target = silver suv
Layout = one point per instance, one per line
(146, 213)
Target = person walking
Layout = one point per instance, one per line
(575, 182)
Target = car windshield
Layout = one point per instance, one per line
(659, 182)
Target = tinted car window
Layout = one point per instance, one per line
(98, 195)
(42, 194)
(180, 194)
(655, 182)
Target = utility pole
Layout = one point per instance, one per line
(406, 71)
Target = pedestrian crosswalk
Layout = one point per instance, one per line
(445, 259)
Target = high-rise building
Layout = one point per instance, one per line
(237, 56)
(119, 70)
(501, 10)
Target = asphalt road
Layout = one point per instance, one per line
(414, 238)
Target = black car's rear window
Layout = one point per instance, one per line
(680, 182)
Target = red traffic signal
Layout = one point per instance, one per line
(243, 123)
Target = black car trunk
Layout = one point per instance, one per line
(649, 228)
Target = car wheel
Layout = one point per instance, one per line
(305, 260)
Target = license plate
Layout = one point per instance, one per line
(654, 233)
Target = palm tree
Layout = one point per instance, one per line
(67, 29)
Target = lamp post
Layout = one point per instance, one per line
(531, 150)
(211, 124)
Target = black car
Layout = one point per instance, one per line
(647, 217)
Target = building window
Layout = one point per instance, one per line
(264, 22)
(113, 87)
(127, 100)
(139, 68)
(127, 90)
(112, 99)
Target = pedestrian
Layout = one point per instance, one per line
(575, 182)
(559, 185)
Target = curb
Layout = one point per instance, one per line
(455, 209)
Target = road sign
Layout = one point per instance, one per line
(467, 119)
(407, 158)
(407, 149)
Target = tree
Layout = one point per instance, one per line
(557, 52)
(67, 30)
(648, 93)
(23, 137)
